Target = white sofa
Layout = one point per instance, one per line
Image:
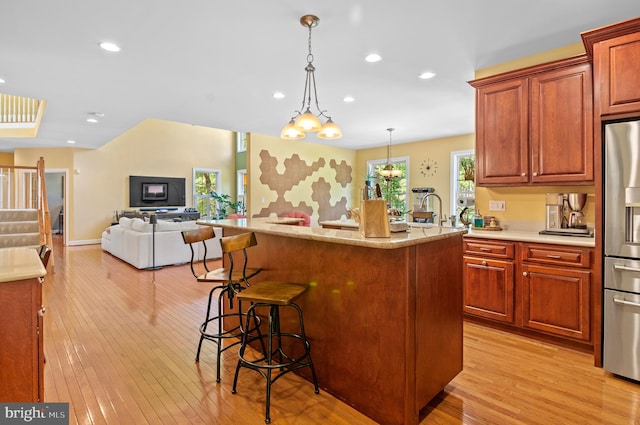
(132, 241)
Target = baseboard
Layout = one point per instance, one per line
(87, 242)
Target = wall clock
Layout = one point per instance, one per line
(429, 167)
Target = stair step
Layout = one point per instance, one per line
(20, 239)
(18, 215)
(12, 227)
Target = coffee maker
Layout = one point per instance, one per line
(564, 214)
(555, 212)
(576, 202)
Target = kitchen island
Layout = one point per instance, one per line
(383, 315)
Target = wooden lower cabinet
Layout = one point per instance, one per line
(541, 288)
(557, 301)
(488, 288)
(21, 356)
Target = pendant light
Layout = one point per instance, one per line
(388, 172)
(304, 119)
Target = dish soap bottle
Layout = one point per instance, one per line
(478, 220)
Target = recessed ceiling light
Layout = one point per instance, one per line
(92, 117)
(348, 99)
(71, 142)
(109, 47)
(373, 57)
(427, 75)
(1, 81)
(278, 95)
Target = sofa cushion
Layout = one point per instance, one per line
(140, 226)
(125, 222)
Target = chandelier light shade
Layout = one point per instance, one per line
(388, 172)
(305, 120)
(291, 132)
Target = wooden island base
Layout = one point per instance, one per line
(385, 325)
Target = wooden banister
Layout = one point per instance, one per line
(24, 187)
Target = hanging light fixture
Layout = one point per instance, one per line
(388, 172)
(304, 120)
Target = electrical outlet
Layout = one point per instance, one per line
(497, 205)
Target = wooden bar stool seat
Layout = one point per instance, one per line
(232, 280)
(283, 351)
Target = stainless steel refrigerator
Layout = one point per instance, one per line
(621, 217)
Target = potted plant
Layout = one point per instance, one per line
(223, 202)
(468, 166)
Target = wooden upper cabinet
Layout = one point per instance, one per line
(534, 126)
(618, 63)
(562, 125)
(502, 125)
(616, 60)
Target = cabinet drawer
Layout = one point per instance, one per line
(559, 255)
(489, 248)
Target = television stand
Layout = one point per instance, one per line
(165, 215)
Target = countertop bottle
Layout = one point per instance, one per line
(478, 221)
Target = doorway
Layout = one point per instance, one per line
(56, 181)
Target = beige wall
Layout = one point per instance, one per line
(99, 178)
(6, 158)
(265, 182)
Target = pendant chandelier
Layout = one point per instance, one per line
(388, 172)
(304, 120)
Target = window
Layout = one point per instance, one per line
(241, 190)
(241, 142)
(204, 182)
(463, 183)
(394, 191)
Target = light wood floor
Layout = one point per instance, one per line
(120, 347)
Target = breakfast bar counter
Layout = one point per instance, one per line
(383, 315)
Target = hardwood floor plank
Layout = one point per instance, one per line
(120, 346)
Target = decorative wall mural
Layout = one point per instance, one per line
(322, 195)
(298, 171)
(343, 172)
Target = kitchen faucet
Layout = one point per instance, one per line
(423, 202)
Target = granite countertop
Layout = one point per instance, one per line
(531, 236)
(20, 264)
(413, 236)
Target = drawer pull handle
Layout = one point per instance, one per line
(484, 263)
(525, 274)
(625, 268)
(555, 257)
(485, 249)
(625, 302)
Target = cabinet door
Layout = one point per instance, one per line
(617, 61)
(502, 122)
(488, 288)
(20, 360)
(557, 301)
(562, 126)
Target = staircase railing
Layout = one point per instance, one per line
(23, 187)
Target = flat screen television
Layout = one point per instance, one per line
(155, 191)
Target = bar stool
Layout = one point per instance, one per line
(276, 356)
(235, 280)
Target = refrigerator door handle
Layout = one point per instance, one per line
(625, 302)
(625, 268)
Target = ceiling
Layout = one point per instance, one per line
(217, 64)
